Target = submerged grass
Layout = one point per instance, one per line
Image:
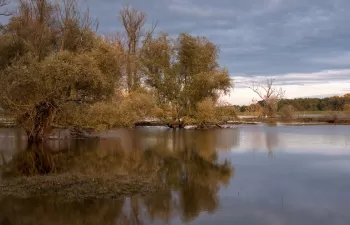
(76, 187)
(49, 211)
(86, 175)
(109, 174)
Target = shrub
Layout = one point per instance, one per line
(206, 112)
(346, 108)
(288, 112)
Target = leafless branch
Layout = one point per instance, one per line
(4, 3)
(268, 90)
(133, 21)
(268, 93)
(151, 30)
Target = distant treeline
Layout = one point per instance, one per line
(335, 103)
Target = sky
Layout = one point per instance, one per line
(303, 45)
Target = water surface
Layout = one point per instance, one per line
(279, 175)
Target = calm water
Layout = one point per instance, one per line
(280, 175)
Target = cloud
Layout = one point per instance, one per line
(297, 78)
(255, 36)
(190, 9)
(298, 42)
(297, 85)
(244, 96)
(335, 59)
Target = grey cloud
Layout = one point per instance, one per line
(326, 76)
(193, 10)
(333, 59)
(256, 37)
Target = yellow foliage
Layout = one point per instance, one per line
(123, 112)
(347, 108)
(53, 63)
(206, 112)
(255, 109)
(225, 113)
(288, 112)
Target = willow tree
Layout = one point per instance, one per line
(158, 57)
(34, 25)
(58, 63)
(36, 92)
(184, 72)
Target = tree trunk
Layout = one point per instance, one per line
(44, 114)
(128, 73)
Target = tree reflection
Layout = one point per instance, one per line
(271, 141)
(193, 183)
(49, 211)
(192, 178)
(196, 181)
(264, 139)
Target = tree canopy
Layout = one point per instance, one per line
(183, 72)
(56, 69)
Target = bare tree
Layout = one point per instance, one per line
(133, 21)
(269, 94)
(75, 25)
(2, 4)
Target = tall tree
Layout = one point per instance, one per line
(62, 64)
(157, 57)
(183, 72)
(200, 75)
(133, 21)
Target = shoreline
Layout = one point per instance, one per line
(229, 124)
(252, 122)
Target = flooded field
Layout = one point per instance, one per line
(252, 174)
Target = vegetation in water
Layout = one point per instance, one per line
(163, 179)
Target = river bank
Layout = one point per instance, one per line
(304, 118)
